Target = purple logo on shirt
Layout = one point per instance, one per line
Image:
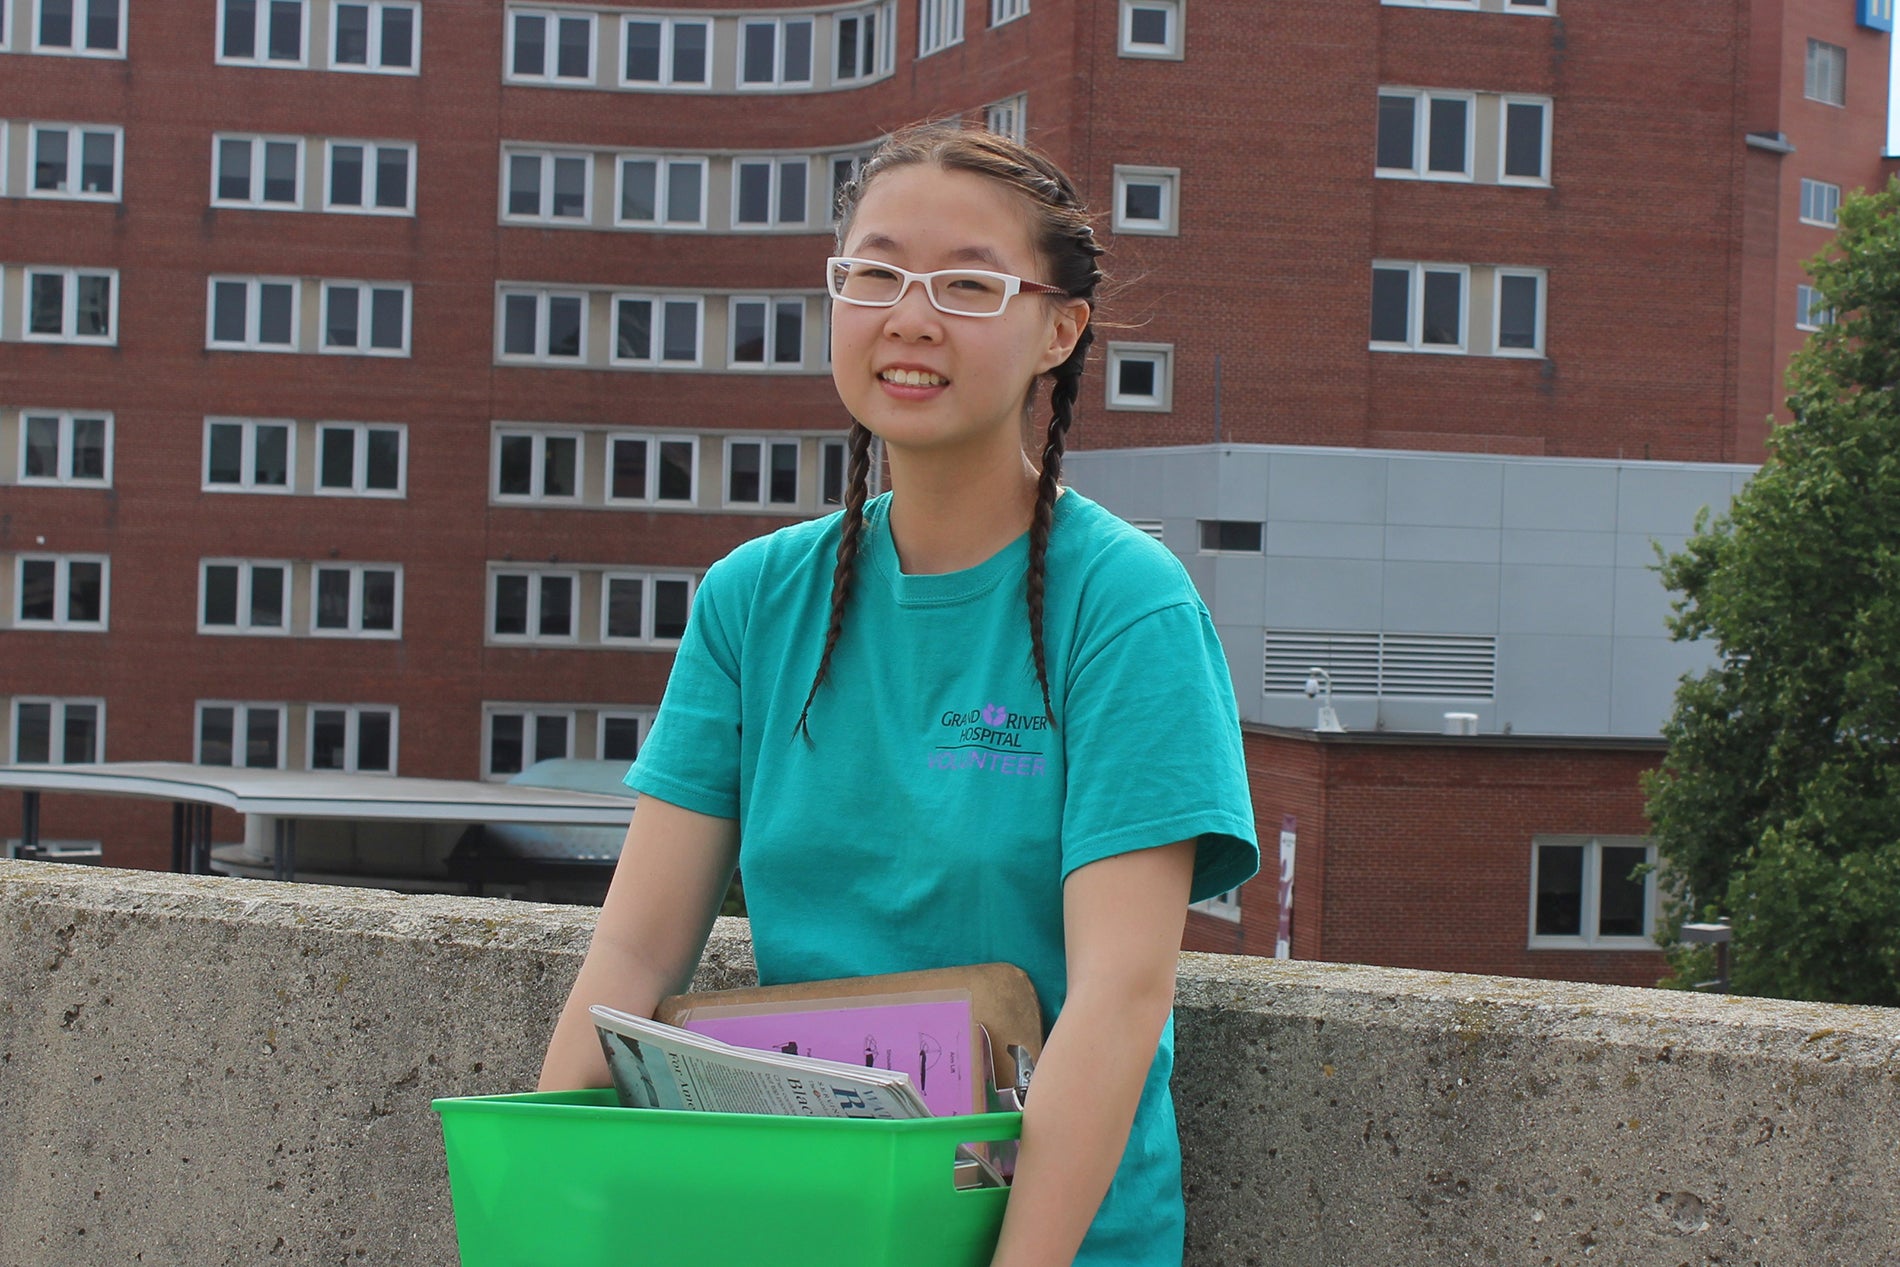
(994, 714)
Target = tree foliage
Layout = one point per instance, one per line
(1779, 799)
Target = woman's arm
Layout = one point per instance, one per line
(672, 873)
(1122, 920)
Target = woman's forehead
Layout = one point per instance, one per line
(954, 216)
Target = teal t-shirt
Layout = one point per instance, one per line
(934, 813)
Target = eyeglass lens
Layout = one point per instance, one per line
(866, 282)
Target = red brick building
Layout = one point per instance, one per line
(376, 376)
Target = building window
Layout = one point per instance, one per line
(939, 25)
(518, 738)
(619, 734)
(373, 177)
(1820, 203)
(262, 32)
(71, 305)
(775, 53)
(769, 193)
(246, 735)
(379, 35)
(653, 469)
(863, 44)
(1529, 6)
(66, 448)
(833, 457)
(353, 738)
(1145, 199)
(1592, 892)
(1140, 376)
(61, 591)
(356, 600)
(1419, 307)
(761, 472)
(1002, 11)
(1425, 134)
(75, 161)
(666, 53)
(844, 170)
(661, 192)
(543, 325)
(656, 329)
(256, 171)
(1151, 28)
(78, 28)
(534, 606)
(637, 608)
(1432, 4)
(537, 466)
(362, 459)
(547, 186)
(1230, 536)
(766, 332)
(58, 731)
(243, 596)
(1826, 79)
(1518, 313)
(244, 455)
(366, 318)
(1008, 117)
(546, 46)
(253, 314)
(1811, 311)
(1524, 141)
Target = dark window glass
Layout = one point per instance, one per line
(375, 742)
(564, 326)
(1397, 122)
(560, 455)
(797, 52)
(286, 30)
(639, 189)
(92, 312)
(848, 49)
(676, 471)
(516, 475)
(234, 171)
(683, 195)
(340, 324)
(831, 475)
(89, 448)
(511, 604)
(755, 193)
(56, 23)
(633, 336)
(85, 592)
(102, 25)
(783, 489)
(742, 473)
(531, 45)
(261, 727)
(329, 735)
(1237, 535)
(1136, 376)
(1148, 26)
(576, 36)
(643, 52)
(399, 36)
(504, 743)
(550, 738)
(346, 175)
(33, 732)
(630, 469)
(1524, 140)
(1445, 145)
(240, 28)
(42, 449)
(221, 595)
(383, 460)
(669, 609)
(624, 601)
(1141, 200)
(224, 459)
(788, 334)
(1559, 891)
(392, 176)
(1517, 312)
(98, 152)
(570, 187)
(267, 597)
(82, 733)
(681, 341)
(1444, 309)
(352, 34)
(216, 729)
(228, 303)
(379, 600)
(619, 738)
(791, 193)
(748, 333)
(336, 458)
(524, 185)
(386, 309)
(689, 52)
(557, 606)
(47, 313)
(270, 456)
(274, 313)
(333, 598)
(759, 41)
(517, 333)
(1620, 904)
(49, 160)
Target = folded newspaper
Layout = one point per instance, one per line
(660, 1066)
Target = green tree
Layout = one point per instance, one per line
(1779, 799)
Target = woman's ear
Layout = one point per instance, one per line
(1071, 318)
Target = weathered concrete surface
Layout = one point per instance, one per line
(232, 1072)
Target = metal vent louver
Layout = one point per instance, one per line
(1457, 666)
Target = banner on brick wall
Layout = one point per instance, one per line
(1283, 945)
(1875, 15)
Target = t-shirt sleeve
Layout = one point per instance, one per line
(1153, 751)
(691, 754)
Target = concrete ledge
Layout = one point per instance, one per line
(216, 1071)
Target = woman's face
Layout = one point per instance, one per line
(925, 380)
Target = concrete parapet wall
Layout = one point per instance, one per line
(212, 1071)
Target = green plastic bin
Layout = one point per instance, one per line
(571, 1179)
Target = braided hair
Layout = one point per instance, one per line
(1065, 244)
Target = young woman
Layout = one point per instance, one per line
(975, 719)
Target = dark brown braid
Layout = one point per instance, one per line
(857, 485)
(1068, 384)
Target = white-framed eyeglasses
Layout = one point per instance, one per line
(961, 292)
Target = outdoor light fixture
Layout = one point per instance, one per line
(1319, 685)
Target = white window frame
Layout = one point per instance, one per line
(371, 165)
(939, 25)
(1004, 11)
(765, 445)
(1820, 203)
(668, 52)
(535, 577)
(357, 573)
(75, 152)
(769, 362)
(261, 39)
(1470, 5)
(648, 583)
(653, 441)
(1504, 132)
(644, 716)
(1824, 74)
(1591, 914)
(1009, 117)
(544, 298)
(257, 143)
(1415, 309)
(779, 80)
(247, 456)
(64, 451)
(241, 711)
(544, 194)
(1171, 49)
(359, 458)
(551, 49)
(253, 313)
(352, 736)
(883, 42)
(365, 304)
(62, 592)
(775, 165)
(373, 65)
(69, 307)
(56, 726)
(246, 580)
(1536, 350)
(1810, 308)
(1168, 179)
(76, 48)
(1162, 356)
(538, 438)
(529, 714)
(659, 300)
(1424, 103)
(662, 189)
